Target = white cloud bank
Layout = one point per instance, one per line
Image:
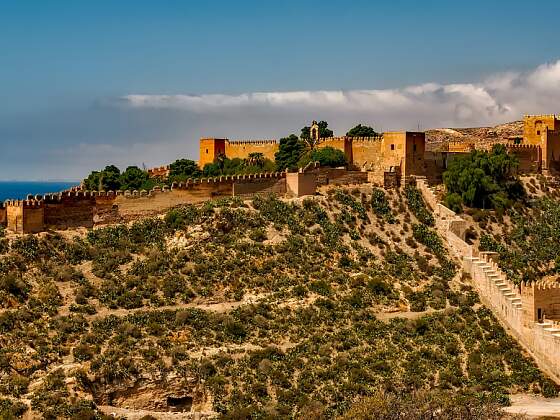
(499, 98)
(157, 129)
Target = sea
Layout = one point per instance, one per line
(18, 190)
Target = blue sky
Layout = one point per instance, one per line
(68, 70)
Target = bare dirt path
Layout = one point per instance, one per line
(131, 414)
(387, 316)
(219, 307)
(534, 406)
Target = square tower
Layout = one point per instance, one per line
(535, 126)
(210, 149)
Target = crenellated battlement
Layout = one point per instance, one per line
(458, 146)
(249, 142)
(25, 204)
(521, 146)
(350, 139)
(557, 116)
(541, 285)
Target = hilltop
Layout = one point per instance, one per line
(436, 137)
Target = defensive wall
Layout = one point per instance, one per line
(2, 214)
(538, 150)
(211, 148)
(459, 147)
(384, 153)
(525, 310)
(528, 155)
(242, 148)
(73, 209)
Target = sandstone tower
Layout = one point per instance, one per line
(544, 131)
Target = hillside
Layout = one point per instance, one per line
(259, 309)
(436, 137)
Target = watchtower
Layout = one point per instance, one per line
(210, 149)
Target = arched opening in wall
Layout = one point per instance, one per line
(539, 314)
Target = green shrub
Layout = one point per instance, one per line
(10, 409)
(381, 206)
(429, 238)
(454, 202)
(417, 205)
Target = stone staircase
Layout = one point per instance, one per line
(501, 296)
(550, 327)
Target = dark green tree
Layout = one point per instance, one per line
(133, 178)
(362, 131)
(106, 180)
(255, 159)
(183, 169)
(326, 156)
(483, 179)
(289, 152)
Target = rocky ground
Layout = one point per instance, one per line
(436, 138)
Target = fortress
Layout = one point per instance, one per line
(389, 159)
(398, 152)
(531, 311)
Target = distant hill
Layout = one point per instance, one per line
(438, 136)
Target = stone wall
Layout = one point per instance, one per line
(385, 153)
(3, 217)
(551, 152)
(460, 147)
(299, 184)
(85, 209)
(209, 149)
(366, 151)
(241, 149)
(339, 176)
(541, 300)
(14, 216)
(534, 126)
(69, 210)
(250, 187)
(25, 216)
(516, 307)
(529, 157)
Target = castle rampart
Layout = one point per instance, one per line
(71, 209)
(401, 153)
(528, 155)
(2, 214)
(242, 148)
(528, 311)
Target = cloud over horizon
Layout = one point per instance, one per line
(499, 98)
(155, 129)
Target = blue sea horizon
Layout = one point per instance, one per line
(19, 190)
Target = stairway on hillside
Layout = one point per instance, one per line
(503, 297)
